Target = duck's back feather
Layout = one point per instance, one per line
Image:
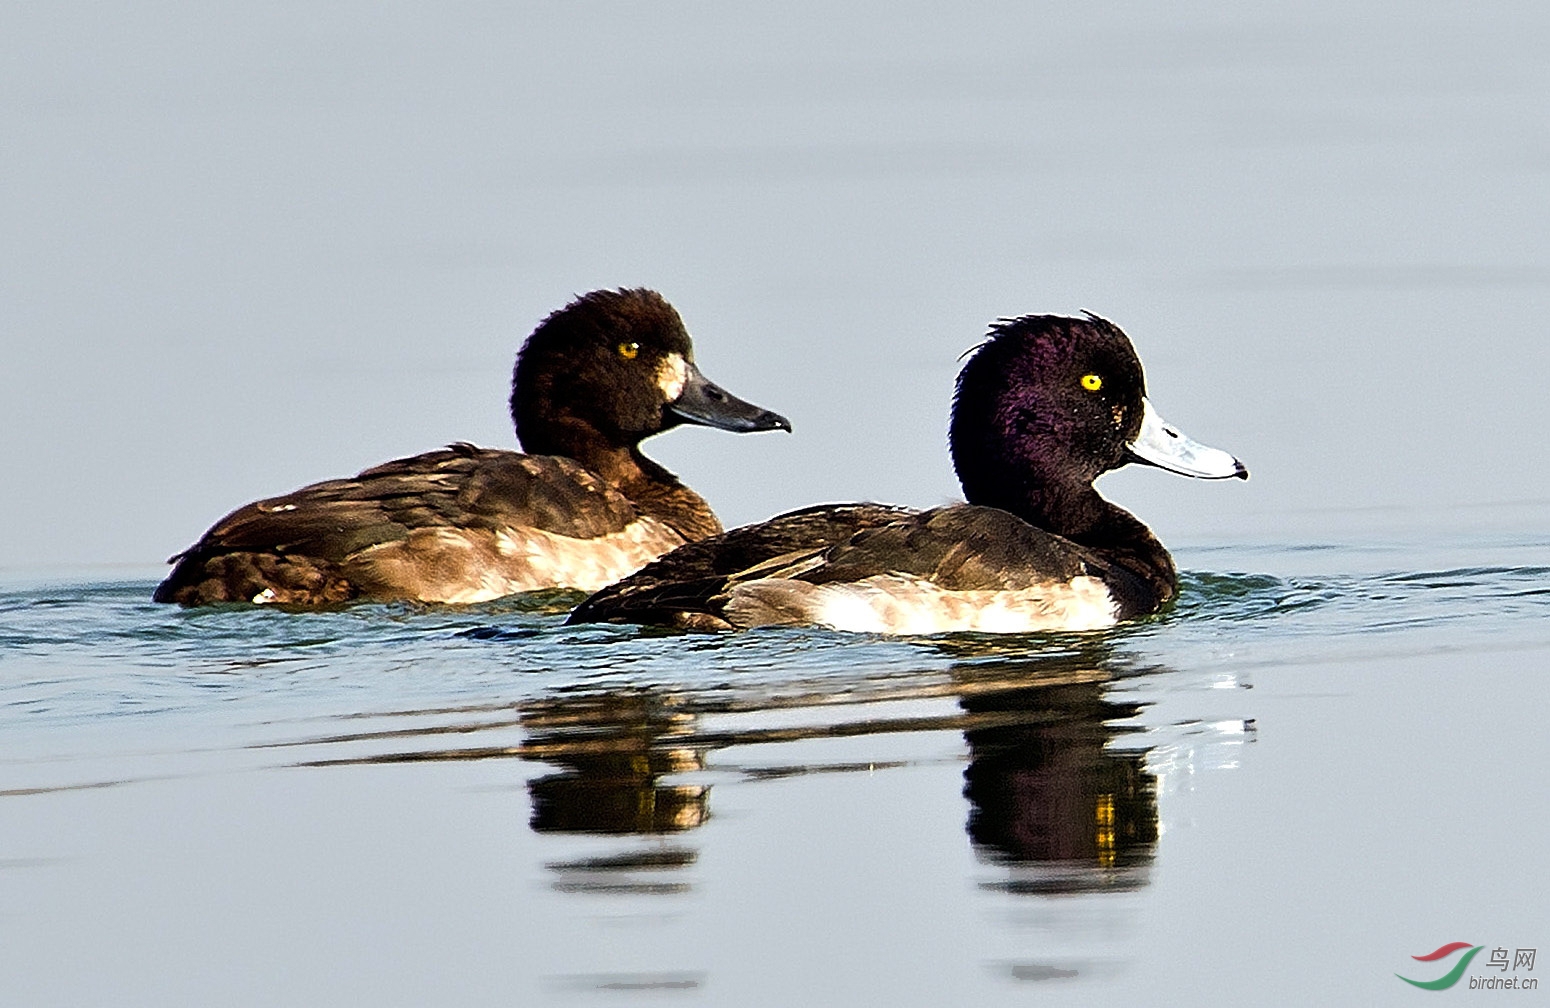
(683, 588)
(461, 524)
(960, 547)
(872, 568)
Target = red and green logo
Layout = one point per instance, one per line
(1451, 977)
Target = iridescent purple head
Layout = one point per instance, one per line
(1048, 403)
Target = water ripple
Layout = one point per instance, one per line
(79, 654)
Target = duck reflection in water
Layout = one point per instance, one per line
(615, 748)
(1048, 797)
(1051, 798)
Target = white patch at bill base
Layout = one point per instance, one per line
(672, 376)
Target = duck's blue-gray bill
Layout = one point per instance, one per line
(702, 401)
(1163, 445)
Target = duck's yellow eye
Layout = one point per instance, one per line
(1092, 382)
(628, 350)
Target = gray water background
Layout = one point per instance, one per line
(247, 249)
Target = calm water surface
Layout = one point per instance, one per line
(253, 246)
(1323, 761)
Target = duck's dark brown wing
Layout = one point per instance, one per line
(960, 547)
(406, 519)
(935, 567)
(963, 567)
(686, 587)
